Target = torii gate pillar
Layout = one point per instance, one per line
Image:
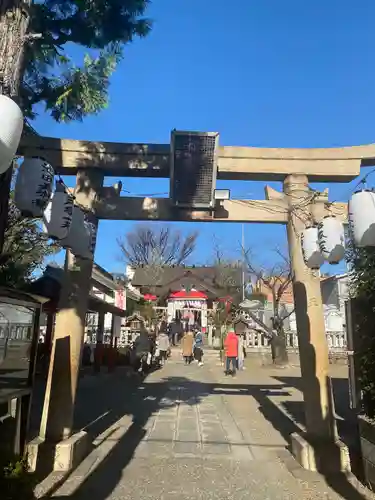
(56, 430)
(319, 448)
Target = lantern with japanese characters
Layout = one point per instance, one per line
(78, 239)
(362, 218)
(310, 248)
(57, 217)
(11, 125)
(33, 187)
(331, 239)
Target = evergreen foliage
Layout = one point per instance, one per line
(67, 91)
(362, 290)
(25, 250)
(103, 27)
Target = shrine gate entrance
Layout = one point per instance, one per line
(296, 206)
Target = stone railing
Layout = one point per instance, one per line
(259, 342)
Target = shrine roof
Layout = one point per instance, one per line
(192, 295)
(204, 275)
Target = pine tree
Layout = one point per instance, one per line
(68, 91)
(36, 68)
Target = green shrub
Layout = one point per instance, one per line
(16, 483)
(362, 290)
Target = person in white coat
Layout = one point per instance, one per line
(163, 346)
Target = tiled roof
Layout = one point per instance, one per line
(168, 275)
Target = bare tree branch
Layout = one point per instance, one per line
(227, 273)
(147, 244)
(276, 278)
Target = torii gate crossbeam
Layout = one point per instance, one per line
(239, 163)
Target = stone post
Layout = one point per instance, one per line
(61, 390)
(321, 435)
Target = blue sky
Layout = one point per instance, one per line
(262, 73)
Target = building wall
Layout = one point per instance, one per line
(287, 296)
(334, 294)
(330, 293)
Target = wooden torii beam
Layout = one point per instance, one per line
(239, 163)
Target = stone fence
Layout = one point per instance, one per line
(258, 342)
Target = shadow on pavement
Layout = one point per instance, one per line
(142, 403)
(97, 407)
(346, 418)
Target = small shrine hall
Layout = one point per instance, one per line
(187, 293)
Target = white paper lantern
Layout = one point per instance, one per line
(33, 187)
(57, 217)
(331, 239)
(79, 237)
(11, 125)
(362, 218)
(310, 248)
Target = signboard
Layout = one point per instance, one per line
(194, 304)
(193, 169)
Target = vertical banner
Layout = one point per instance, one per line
(120, 299)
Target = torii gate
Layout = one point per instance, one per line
(91, 161)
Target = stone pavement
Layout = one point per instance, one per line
(189, 432)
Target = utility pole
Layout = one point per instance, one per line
(14, 23)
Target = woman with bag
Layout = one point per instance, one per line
(187, 347)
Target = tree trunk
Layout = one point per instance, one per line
(14, 22)
(278, 350)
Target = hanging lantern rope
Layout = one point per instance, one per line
(362, 182)
(66, 188)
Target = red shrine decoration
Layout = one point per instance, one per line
(228, 301)
(192, 295)
(149, 297)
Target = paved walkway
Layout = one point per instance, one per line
(191, 433)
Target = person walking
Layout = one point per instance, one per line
(163, 345)
(187, 347)
(142, 347)
(241, 352)
(198, 348)
(176, 331)
(231, 352)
